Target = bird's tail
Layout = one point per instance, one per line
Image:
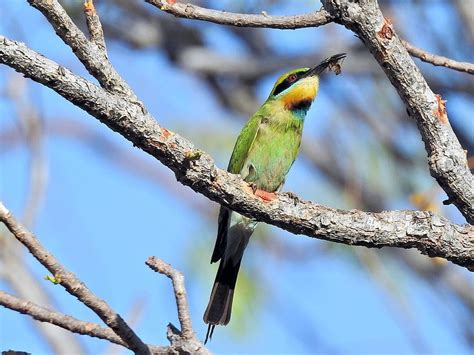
(219, 309)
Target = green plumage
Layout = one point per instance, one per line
(267, 147)
(263, 154)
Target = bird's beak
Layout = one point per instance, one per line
(317, 70)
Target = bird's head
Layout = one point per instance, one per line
(297, 89)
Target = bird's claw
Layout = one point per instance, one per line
(253, 186)
(293, 197)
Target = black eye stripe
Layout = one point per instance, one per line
(285, 84)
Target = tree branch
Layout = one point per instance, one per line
(431, 234)
(72, 284)
(184, 341)
(91, 55)
(194, 12)
(315, 19)
(94, 26)
(61, 320)
(177, 280)
(438, 60)
(20, 279)
(85, 328)
(15, 271)
(446, 158)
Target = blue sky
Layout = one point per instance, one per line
(103, 222)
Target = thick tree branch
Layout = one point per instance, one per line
(446, 158)
(72, 284)
(429, 233)
(194, 12)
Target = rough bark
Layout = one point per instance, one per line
(432, 235)
(446, 158)
(190, 11)
(118, 331)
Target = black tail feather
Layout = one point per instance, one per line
(230, 251)
(210, 331)
(220, 304)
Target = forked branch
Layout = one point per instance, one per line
(430, 234)
(71, 283)
(118, 331)
(447, 159)
(314, 19)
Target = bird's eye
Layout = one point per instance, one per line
(292, 78)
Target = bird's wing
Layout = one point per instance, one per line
(236, 164)
(244, 144)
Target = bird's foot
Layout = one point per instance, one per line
(265, 195)
(293, 197)
(253, 186)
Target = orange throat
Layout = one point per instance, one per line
(300, 96)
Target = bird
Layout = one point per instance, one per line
(263, 154)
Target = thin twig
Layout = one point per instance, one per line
(184, 341)
(72, 284)
(189, 11)
(61, 320)
(438, 60)
(94, 26)
(177, 280)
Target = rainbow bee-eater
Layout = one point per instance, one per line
(263, 154)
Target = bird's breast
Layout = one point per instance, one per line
(273, 153)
